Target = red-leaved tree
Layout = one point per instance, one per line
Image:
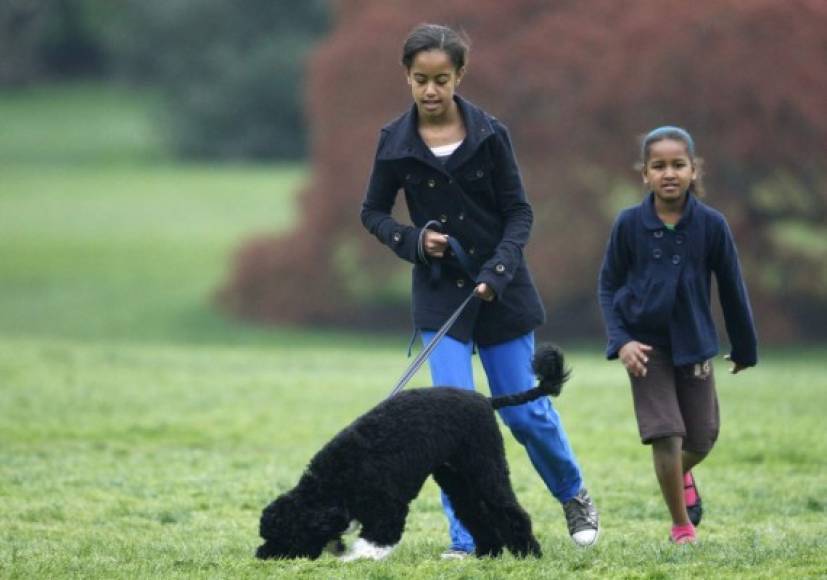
(577, 82)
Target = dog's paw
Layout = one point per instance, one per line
(364, 550)
(336, 547)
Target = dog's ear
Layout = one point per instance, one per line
(330, 522)
(270, 517)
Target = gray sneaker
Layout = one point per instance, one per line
(454, 554)
(582, 519)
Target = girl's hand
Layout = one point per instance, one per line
(736, 367)
(633, 356)
(435, 243)
(485, 292)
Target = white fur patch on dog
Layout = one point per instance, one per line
(364, 550)
(352, 528)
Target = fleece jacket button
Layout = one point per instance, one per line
(679, 239)
(659, 234)
(676, 259)
(657, 253)
(499, 268)
(432, 183)
(397, 237)
(443, 218)
(480, 172)
(460, 283)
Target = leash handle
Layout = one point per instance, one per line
(429, 348)
(463, 258)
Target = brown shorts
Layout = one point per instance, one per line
(679, 401)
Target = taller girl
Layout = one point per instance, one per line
(655, 295)
(471, 221)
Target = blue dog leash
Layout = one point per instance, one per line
(467, 265)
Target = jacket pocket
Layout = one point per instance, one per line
(478, 179)
(642, 307)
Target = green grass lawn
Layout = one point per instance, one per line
(141, 432)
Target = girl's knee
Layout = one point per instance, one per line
(667, 445)
(525, 420)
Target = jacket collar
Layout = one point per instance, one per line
(403, 138)
(650, 217)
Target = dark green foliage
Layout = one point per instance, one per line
(51, 39)
(231, 71)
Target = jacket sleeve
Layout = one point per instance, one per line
(732, 293)
(616, 263)
(382, 190)
(499, 270)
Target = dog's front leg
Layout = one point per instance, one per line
(337, 546)
(362, 549)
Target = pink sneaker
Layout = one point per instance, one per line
(683, 534)
(694, 507)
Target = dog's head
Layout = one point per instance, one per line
(292, 527)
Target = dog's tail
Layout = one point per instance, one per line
(551, 371)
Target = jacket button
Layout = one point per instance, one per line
(472, 250)
(659, 234)
(480, 172)
(407, 177)
(460, 283)
(657, 253)
(499, 269)
(432, 183)
(679, 239)
(397, 237)
(443, 218)
(461, 216)
(676, 259)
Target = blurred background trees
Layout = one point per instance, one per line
(577, 83)
(231, 74)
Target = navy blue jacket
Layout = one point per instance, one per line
(655, 284)
(477, 197)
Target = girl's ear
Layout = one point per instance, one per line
(460, 74)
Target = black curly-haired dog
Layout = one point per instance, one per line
(371, 471)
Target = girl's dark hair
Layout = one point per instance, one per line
(435, 37)
(675, 134)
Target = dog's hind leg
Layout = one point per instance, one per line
(507, 515)
(471, 510)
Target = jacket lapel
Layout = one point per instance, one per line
(403, 140)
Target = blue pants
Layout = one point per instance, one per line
(536, 425)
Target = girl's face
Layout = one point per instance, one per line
(433, 80)
(669, 171)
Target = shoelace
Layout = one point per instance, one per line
(579, 514)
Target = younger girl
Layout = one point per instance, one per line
(655, 295)
(470, 222)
